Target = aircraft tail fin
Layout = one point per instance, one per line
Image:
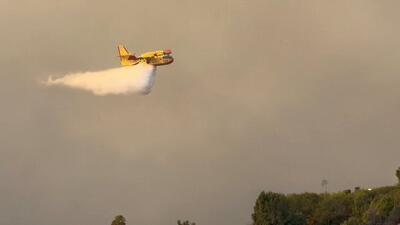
(125, 56)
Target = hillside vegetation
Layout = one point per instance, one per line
(379, 206)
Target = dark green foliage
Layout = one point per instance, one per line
(394, 217)
(380, 206)
(271, 209)
(185, 222)
(362, 200)
(334, 209)
(348, 191)
(302, 207)
(119, 220)
(353, 221)
(379, 210)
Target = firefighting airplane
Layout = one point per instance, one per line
(156, 58)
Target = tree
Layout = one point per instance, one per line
(185, 222)
(353, 221)
(301, 208)
(398, 175)
(394, 217)
(380, 210)
(119, 220)
(334, 209)
(271, 209)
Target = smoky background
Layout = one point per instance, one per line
(263, 95)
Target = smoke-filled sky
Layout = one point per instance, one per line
(263, 95)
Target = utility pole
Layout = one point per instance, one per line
(324, 184)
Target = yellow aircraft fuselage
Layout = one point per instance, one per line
(156, 58)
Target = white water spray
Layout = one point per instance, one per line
(124, 80)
